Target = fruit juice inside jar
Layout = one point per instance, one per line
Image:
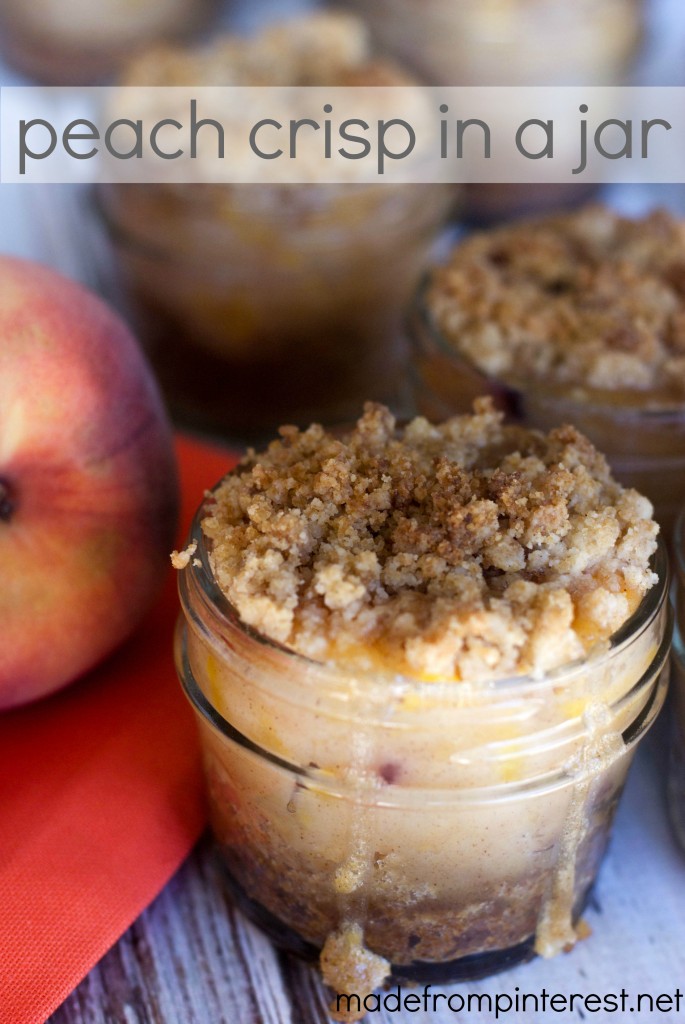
(568, 318)
(413, 769)
(268, 303)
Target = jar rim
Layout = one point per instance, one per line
(512, 391)
(225, 614)
(429, 217)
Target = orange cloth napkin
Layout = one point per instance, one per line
(101, 799)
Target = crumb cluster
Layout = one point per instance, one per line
(347, 966)
(469, 550)
(588, 300)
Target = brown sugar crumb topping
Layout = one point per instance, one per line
(469, 550)
(588, 300)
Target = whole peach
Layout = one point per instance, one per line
(88, 484)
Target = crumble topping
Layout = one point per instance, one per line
(181, 559)
(320, 48)
(466, 551)
(587, 300)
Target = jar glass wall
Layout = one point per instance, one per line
(457, 826)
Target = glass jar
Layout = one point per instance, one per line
(457, 826)
(644, 446)
(260, 305)
(82, 42)
(510, 43)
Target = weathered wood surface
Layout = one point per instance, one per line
(192, 958)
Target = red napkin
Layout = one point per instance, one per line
(101, 799)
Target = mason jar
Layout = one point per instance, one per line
(457, 827)
(569, 318)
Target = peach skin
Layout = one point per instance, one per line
(88, 484)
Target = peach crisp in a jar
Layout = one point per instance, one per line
(421, 658)
(578, 316)
(269, 302)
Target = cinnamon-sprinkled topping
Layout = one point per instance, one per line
(467, 550)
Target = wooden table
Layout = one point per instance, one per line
(192, 959)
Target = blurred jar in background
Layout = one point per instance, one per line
(82, 42)
(268, 303)
(575, 318)
(510, 43)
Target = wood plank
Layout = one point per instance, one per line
(189, 958)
